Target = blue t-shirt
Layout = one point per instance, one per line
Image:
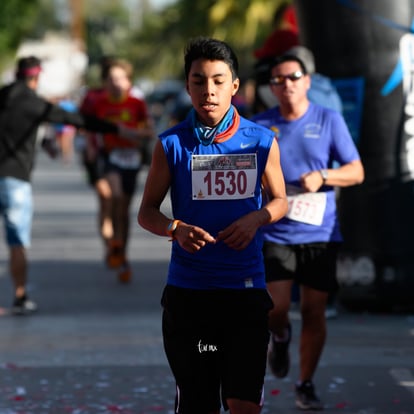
(313, 142)
(211, 192)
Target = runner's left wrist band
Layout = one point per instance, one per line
(172, 227)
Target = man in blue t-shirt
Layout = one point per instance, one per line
(302, 247)
(323, 92)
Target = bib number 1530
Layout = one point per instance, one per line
(223, 177)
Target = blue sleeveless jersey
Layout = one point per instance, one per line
(215, 203)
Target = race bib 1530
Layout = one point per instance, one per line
(223, 177)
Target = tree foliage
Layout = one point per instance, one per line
(153, 40)
(22, 20)
(160, 42)
(107, 28)
(16, 22)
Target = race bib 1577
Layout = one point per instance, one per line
(306, 207)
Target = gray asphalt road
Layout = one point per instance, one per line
(95, 345)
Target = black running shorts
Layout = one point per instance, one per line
(216, 344)
(312, 264)
(128, 176)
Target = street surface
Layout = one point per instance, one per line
(95, 345)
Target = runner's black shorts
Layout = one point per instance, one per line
(216, 344)
(128, 175)
(312, 264)
(94, 168)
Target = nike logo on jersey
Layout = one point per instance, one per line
(246, 145)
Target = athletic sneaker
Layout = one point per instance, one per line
(115, 256)
(278, 357)
(23, 306)
(306, 398)
(125, 273)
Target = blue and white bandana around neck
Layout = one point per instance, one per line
(207, 134)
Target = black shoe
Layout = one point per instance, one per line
(278, 357)
(23, 306)
(306, 398)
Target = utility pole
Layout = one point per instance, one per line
(77, 20)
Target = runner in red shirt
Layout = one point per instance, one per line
(121, 159)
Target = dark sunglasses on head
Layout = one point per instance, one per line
(281, 79)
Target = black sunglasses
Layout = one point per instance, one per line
(280, 79)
